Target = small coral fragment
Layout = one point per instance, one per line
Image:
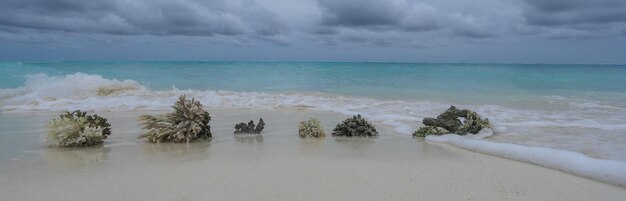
(250, 128)
(311, 128)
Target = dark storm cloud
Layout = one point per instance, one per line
(574, 12)
(376, 14)
(273, 21)
(250, 18)
(127, 17)
(340, 23)
(360, 13)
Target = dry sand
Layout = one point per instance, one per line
(277, 165)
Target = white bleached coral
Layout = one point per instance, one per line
(311, 128)
(188, 122)
(77, 129)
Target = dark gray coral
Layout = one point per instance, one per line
(355, 126)
(449, 122)
(250, 128)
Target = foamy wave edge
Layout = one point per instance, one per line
(95, 93)
(608, 171)
(92, 92)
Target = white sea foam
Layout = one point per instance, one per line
(609, 171)
(583, 123)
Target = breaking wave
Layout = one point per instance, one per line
(93, 92)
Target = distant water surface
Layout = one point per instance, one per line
(480, 83)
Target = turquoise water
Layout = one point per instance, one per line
(579, 108)
(462, 83)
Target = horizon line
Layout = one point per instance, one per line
(299, 61)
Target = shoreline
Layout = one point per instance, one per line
(277, 165)
(565, 121)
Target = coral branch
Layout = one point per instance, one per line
(188, 122)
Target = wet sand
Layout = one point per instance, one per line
(277, 165)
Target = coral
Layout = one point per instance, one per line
(428, 130)
(188, 122)
(260, 126)
(449, 122)
(76, 128)
(473, 123)
(311, 128)
(249, 128)
(355, 126)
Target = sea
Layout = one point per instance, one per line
(579, 108)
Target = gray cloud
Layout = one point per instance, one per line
(287, 23)
(574, 19)
(153, 17)
(574, 12)
(376, 14)
(359, 13)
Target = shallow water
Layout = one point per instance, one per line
(579, 108)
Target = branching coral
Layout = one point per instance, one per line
(355, 126)
(77, 129)
(249, 128)
(448, 122)
(311, 128)
(188, 122)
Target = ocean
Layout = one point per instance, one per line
(574, 107)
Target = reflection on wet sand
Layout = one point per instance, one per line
(249, 138)
(312, 142)
(77, 157)
(355, 142)
(194, 149)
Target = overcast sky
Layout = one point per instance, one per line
(526, 31)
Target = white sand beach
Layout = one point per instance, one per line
(277, 165)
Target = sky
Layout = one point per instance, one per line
(508, 31)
